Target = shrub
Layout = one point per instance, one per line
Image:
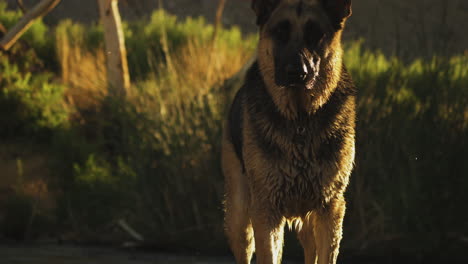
(29, 103)
(412, 136)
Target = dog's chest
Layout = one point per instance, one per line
(303, 159)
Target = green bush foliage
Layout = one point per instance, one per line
(411, 143)
(29, 102)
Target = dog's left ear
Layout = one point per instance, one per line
(263, 9)
(338, 10)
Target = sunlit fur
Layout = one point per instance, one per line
(287, 152)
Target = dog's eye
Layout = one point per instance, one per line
(282, 31)
(312, 34)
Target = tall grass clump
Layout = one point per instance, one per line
(150, 41)
(80, 53)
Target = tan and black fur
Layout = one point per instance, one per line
(288, 144)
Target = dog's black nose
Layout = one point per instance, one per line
(296, 72)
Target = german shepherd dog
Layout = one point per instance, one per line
(288, 144)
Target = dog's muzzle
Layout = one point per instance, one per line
(301, 73)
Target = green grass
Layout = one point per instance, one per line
(153, 159)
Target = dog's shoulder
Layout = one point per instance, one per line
(250, 96)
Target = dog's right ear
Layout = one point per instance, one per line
(263, 9)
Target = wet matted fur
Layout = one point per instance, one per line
(288, 144)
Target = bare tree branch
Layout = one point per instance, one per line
(40, 10)
(2, 29)
(21, 6)
(130, 231)
(117, 65)
(219, 17)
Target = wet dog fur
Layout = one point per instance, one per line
(288, 143)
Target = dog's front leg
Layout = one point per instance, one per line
(328, 224)
(268, 233)
(307, 239)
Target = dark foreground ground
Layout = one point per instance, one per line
(73, 254)
(53, 254)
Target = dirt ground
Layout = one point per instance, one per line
(53, 254)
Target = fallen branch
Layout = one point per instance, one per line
(134, 234)
(41, 9)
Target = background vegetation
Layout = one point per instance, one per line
(74, 161)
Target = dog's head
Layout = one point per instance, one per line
(300, 40)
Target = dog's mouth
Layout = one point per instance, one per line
(306, 81)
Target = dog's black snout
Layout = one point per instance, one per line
(296, 72)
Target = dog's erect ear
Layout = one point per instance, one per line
(338, 10)
(263, 9)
